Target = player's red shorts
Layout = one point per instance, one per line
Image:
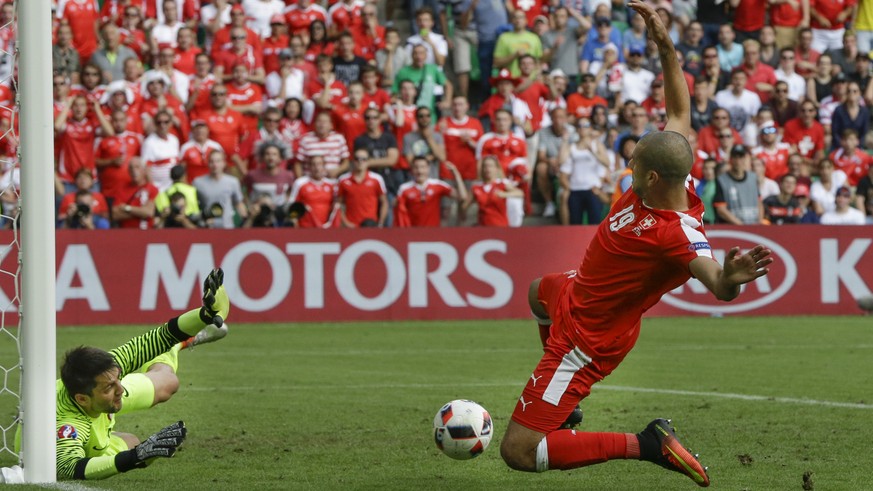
(565, 374)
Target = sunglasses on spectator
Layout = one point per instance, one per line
(372, 117)
(236, 38)
(424, 115)
(272, 120)
(725, 136)
(131, 14)
(770, 130)
(218, 94)
(162, 121)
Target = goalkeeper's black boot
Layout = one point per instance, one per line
(573, 420)
(658, 444)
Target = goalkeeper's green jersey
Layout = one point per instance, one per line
(86, 448)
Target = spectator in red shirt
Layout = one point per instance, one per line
(807, 57)
(419, 200)
(84, 208)
(369, 36)
(786, 17)
(194, 154)
(532, 90)
(461, 133)
(773, 153)
(226, 127)
(343, 16)
(348, 118)
(805, 135)
(76, 135)
(298, 51)
(223, 41)
(325, 90)
(401, 117)
(579, 104)
(509, 149)
(505, 98)
(239, 52)
(301, 15)
(707, 138)
(316, 193)
(186, 52)
(132, 34)
(318, 44)
(245, 97)
(491, 193)
(82, 16)
(274, 44)
(156, 99)
(749, 17)
(361, 195)
(829, 22)
(761, 78)
(135, 206)
(114, 153)
(374, 96)
(851, 159)
(199, 85)
(292, 125)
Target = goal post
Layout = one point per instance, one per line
(37, 246)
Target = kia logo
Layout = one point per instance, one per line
(690, 297)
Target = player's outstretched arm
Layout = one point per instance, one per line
(724, 281)
(678, 100)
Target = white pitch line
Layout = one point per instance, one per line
(616, 388)
(66, 486)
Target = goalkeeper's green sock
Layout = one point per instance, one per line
(190, 322)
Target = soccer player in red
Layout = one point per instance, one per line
(652, 242)
(461, 133)
(316, 192)
(419, 200)
(362, 195)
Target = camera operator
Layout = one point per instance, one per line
(264, 212)
(80, 214)
(176, 216)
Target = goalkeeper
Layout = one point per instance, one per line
(95, 385)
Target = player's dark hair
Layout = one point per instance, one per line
(81, 367)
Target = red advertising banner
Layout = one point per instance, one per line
(288, 275)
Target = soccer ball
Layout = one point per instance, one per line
(462, 429)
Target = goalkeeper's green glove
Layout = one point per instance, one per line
(162, 444)
(216, 305)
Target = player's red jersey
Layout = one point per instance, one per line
(855, 165)
(76, 148)
(98, 204)
(534, 96)
(361, 197)
(808, 140)
(317, 197)
(829, 9)
(342, 16)
(242, 95)
(272, 46)
(114, 177)
(299, 19)
(195, 157)
(137, 195)
(227, 129)
(458, 151)
(492, 206)
(581, 107)
(775, 161)
(378, 99)
(349, 123)
(638, 255)
(418, 205)
(82, 15)
(506, 148)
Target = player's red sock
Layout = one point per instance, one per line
(544, 333)
(569, 449)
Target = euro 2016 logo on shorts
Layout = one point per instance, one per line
(694, 297)
(67, 431)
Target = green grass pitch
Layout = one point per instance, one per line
(349, 406)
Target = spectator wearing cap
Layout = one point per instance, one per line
(635, 35)
(186, 52)
(65, 59)
(824, 190)
(514, 44)
(702, 105)
(741, 103)
(783, 208)
(805, 135)
(807, 57)
(505, 97)
(220, 194)
(120, 97)
(431, 82)
(864, 195)
(488, 16)
(807, 206)
(580, 103)
(736, 197)
(239, 52)
(223, 39)
(111, 57)
(749, 18)
(114, 152)
(180, 185)
(828, 22)
(636, 81)
(561, 47)
(597, 44)
(843, 213)
(287, 82)
(301, 14)
(771, 151)
(260, 14)
(556, 82)
(274, 44)
(164, 33)
(342, 16)
(346, 64)
(194, 154)
(851, 114)
(786, 73)
(786, 17)
(760, 77)
(200, 84)
(851, 159)
(691, 47)
(461, 38)
(730, 53)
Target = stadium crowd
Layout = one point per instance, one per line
(262, 113)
